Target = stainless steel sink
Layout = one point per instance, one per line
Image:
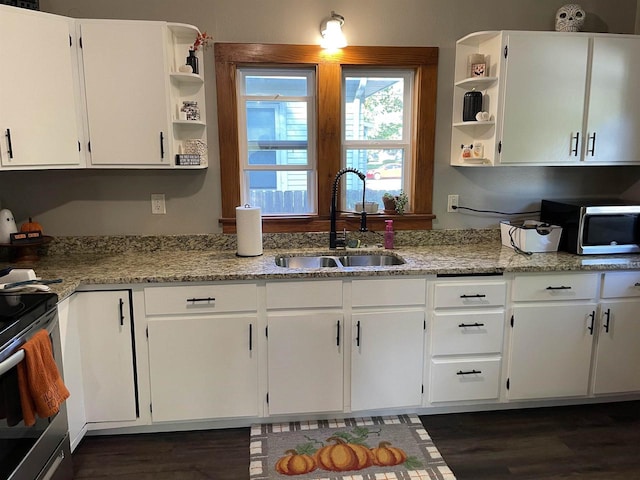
(306, 262)
(370, 260)
(319, 261)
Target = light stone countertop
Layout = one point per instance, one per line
(85, 269)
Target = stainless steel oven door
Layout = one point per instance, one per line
(31, 452)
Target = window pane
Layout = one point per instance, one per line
(277, 127)
(281, 85)
(374, 108)
(279, 192)
(384, 171)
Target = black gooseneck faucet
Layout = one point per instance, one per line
(333, 235)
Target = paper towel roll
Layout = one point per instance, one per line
(249, 231)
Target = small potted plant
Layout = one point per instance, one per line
(395, 204)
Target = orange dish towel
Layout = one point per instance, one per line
(42, 390)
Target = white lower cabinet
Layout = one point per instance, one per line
(552, 332)
(203, 367)
(203, 360)
(617, 357)
(105, 329)
(466, 339)
(387, 358)
(72, 370)
(387, 343)
(305, 362)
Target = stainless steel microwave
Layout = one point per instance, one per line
(595, 226)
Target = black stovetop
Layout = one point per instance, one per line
(18, 311)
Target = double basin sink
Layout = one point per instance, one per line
(342, 261)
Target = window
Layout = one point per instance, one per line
(276, 119)
(377, 131)
(290, 116)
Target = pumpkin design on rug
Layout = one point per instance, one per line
(371, 448)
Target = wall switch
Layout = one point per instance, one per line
(452, 203)
(158, 206)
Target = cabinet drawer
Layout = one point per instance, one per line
(380, 292)
(467, 333)
(621, 284)
(201, 299)
(318, 294)
(466, 379)
(555, 287)
(470, 294)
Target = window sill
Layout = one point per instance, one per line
(351, 222)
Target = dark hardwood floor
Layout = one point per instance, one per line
(587, 442)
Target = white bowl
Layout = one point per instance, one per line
(369, 207)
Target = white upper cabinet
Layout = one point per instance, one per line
(553, 98)
(39, 104)
(614, 102)
(128, 122)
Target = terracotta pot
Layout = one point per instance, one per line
(389, 205)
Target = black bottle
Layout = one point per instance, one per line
(471, 106)
(193, 61)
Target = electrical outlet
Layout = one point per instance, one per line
(158, 206)
(452, 203)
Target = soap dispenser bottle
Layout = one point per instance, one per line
(388, 234)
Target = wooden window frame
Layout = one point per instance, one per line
(423, 60)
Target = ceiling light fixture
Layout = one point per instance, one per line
(331, 30)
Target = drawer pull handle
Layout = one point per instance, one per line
(338, 333)
(574, 150)
(477, 295)
(470, 372)
(562, 287)
(9, 147)
(205, 299)
(592, 315)
(358, 334)
(464, 325)
(251, 337)
(607, 314)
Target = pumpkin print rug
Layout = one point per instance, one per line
(370, 448)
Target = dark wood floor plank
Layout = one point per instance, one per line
(589, 442)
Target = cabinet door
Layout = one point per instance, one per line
(387, 359)
(614, 101)
(544, 94)
(106, 341)
(203, 367)
(305, 358)
(38, 102)
(618, 356)
(126, 90)
(72, 369)
(550, 350)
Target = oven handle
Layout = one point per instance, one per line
(11, 362)
(18, 356)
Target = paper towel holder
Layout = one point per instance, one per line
(248, 231)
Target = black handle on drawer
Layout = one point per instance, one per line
(250, 337)
(204, 299)
(477, 295)
(463, 325)
(121, 305)
(470, 372)
(607, 314)
(161, 144)
(338, 333)
(9, 147)
(593, 319)
(562, 287)
(358, 334)
(592, 151)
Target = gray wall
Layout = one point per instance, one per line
(118, 202)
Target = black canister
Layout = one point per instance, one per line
(471, 106)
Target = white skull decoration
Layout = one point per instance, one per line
(570, 18)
